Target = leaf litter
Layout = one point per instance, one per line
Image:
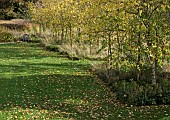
(37, 84)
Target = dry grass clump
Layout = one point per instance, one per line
(82, 51)
(16, 28)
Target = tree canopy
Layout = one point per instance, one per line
(136, 32)
(10, 9)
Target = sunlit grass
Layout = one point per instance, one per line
(36, 84)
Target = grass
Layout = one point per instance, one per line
(37, 84)
(13, 30)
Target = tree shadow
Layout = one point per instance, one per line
(68, 94)
(41, 91)
(29, 80)
(12, 52)
(47, 91)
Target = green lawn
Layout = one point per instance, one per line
(36, 84)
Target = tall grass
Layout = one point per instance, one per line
(13, 30)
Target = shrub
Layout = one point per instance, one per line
(165, 118)
(6, 37)
(132, 93)
(52, 48)
(35, 38)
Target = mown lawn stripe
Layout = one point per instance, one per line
(37, 84)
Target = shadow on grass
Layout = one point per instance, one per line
(38, 80)
(43, 88)
(20, 52)
(41, 91)
(35, 79)
(64, 93)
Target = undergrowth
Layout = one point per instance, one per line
(78, 51)
(131, 91)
